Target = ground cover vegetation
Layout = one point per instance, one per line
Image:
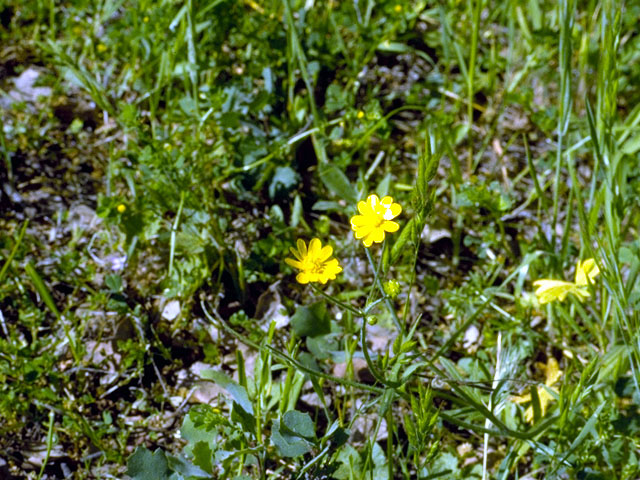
(319, 240)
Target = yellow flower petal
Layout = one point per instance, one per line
(552, 371)
(302, 248)
(363, 231)
(386, 201)
(368, 241)
(358, 221)
(586, 272)
(314, 248)
(325, 253)
(378, 235)
(295, 253)
(303, 277)
(528, 415)
(293, 263)
(363, 208)
(581, 293)
(549, 290)
(373, 200)
(545, 393)
(521, 398)
(390, 226)
(393, 211)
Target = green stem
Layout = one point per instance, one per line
(14, 250)
(374, 371)
(384, 295)
(340, 303)
(470, 76)
(49, 444)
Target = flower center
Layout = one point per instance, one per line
(380, 212)
(313, 266)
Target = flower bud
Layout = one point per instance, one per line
(391, 288)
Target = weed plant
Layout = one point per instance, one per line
(299, 239)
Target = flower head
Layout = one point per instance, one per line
(375, 219)
(314, 262)
(552, 374)
(549, 290)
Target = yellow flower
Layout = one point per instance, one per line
(314, 262)
(360, 114)
(121, 208)
(102, 48)
(397, 8)
(552, 373)
(375, 219)
(549, 290)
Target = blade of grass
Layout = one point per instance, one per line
(14, 250)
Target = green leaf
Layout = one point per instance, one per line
(296, 212)
(325, 347)
(337, 435)
(202, 456)
(384, 186)
(144, 465)
(113, 282)
(350, 464)
(337, 98)
(238, 392)
(299, 424)
(182, 466)
(240, 416)
(284, 179)
(324, 205)
(42, 289)
(445, 463)
(590, 474)
(337, 182)
(288, 445)
(588, 429)
(311, 321)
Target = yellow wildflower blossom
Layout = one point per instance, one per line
(552, 373)
(121, 208)
(375, 219)
(314, 262)
(549, 290)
